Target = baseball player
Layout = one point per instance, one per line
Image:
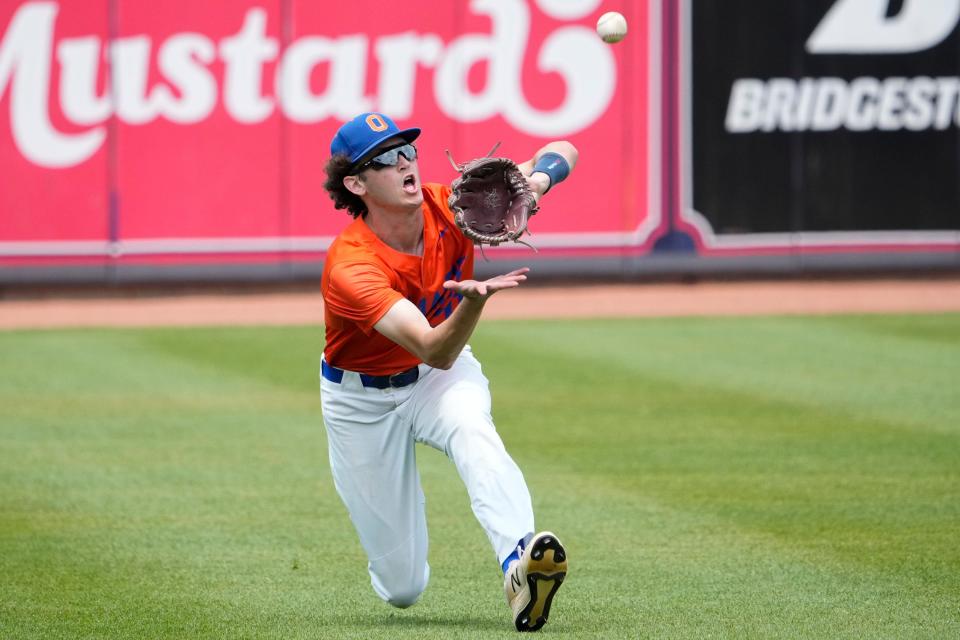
(401, 306)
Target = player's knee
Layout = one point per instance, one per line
(403, 588)
(405, 595)
(404, 599)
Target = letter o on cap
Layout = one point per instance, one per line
(375, 122)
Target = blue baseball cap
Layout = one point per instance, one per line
(359, 136)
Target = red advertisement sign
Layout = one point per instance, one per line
(186, 131)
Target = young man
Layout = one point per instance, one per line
(401, 305)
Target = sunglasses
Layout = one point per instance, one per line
(389, 158)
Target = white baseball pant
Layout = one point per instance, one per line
(371, 435)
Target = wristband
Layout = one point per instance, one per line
(555, 166)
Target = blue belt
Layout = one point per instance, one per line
(402, 379)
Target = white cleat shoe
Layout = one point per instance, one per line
(531, 581)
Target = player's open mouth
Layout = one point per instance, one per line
(410, 184)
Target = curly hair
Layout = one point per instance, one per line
(338, 167)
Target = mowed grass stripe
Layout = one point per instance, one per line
(873, 366)
(173, 483)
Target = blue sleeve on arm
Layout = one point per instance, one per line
(555, 166)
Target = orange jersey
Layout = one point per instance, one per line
(363, 278)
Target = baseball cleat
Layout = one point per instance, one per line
(531, 582)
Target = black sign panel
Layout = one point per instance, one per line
(825, 115)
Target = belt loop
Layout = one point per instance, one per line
(351, 381)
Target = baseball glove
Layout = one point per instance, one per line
(491, 201)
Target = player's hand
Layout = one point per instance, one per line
(476, 290)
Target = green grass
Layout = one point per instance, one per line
(726, 478)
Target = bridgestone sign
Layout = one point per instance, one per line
(823, 117)
(826, 104)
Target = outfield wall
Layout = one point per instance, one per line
(186, 141)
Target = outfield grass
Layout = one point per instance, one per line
(726, 478)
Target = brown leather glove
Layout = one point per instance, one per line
(491, 200)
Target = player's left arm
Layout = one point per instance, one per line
(549, 166)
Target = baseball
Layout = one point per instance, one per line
(612, 27)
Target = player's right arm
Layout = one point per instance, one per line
(540, 182)
(439, 346)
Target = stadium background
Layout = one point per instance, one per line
(713, 139)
